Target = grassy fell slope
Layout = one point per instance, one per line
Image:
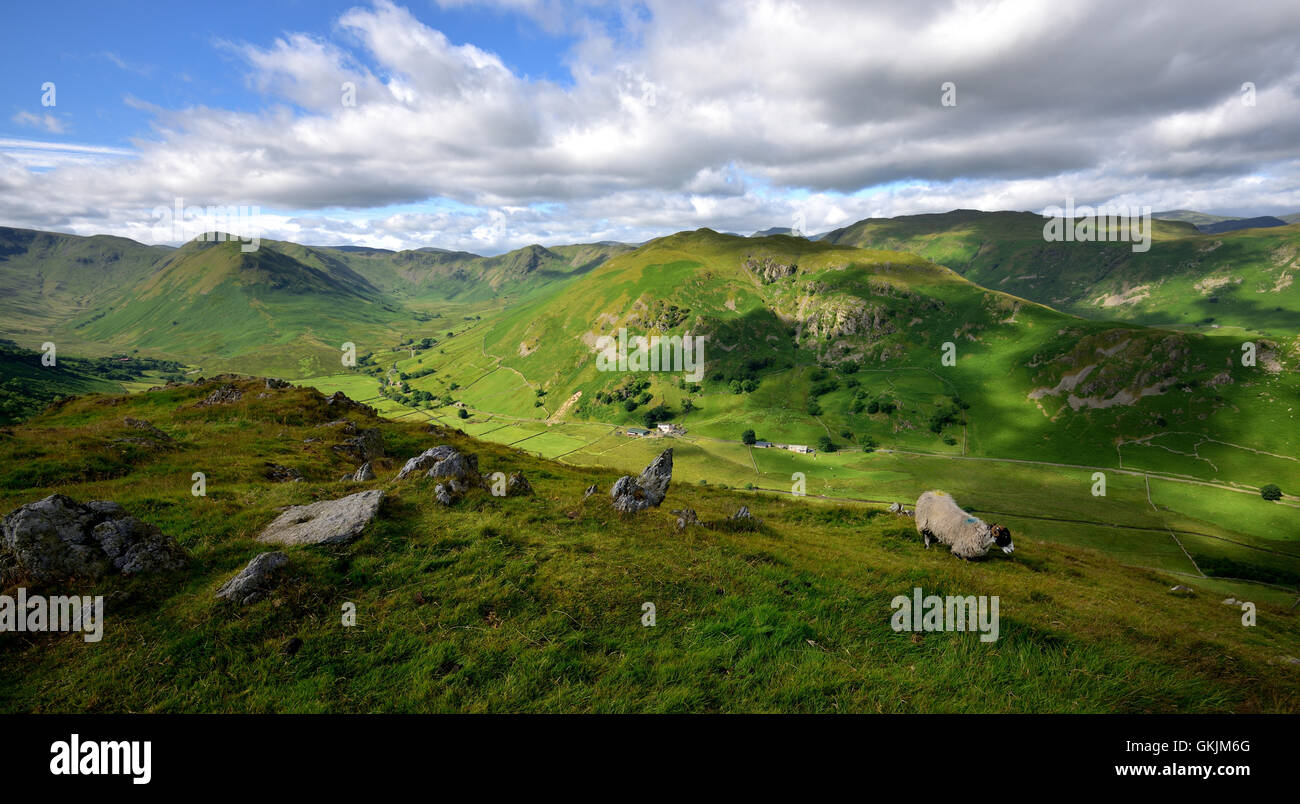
(1241, 279)
(534, 603)
(213, 302)
(46, 277)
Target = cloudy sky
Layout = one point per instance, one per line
(489, 125)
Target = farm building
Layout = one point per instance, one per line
(637, 432)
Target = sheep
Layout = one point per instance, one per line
(939, 519)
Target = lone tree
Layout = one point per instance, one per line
(748, 437)
(1271, 492)
(824, 444)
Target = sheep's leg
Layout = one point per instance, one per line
(929, 538)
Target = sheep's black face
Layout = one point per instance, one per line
(1002, 538)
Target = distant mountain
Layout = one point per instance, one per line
(1190, 216)
(1217, 224)
(48, 277)
(1262, 222)
(1188, 278)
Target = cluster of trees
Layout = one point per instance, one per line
(632, 393)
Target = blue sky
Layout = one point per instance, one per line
(174, 55)
(489, 125)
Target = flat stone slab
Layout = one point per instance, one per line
(327, 522)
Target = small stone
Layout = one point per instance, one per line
(291, 647)
(686, 517)
(364, 473)
(253, 582)
(282, 474)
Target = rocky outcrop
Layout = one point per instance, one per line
(359, 444)
(648, 489)
(57, 537)
(363, 473)
(424, 460)
(769, 270)
(147, 429)
(223, 395)
(686, 517)
(272, 384)
(327, 522)
(743, 513)
(255, 580)
(144, 436)
(518, 486)
(458, 470)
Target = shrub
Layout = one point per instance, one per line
(748, 437)
(1271, 492)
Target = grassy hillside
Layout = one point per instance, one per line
(813, 342)
(535, 603)
(1241, 280)
(46, 277)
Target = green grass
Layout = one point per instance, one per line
(534, 604)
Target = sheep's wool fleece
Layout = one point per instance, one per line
(967, 535)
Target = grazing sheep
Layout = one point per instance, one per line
(939, 519)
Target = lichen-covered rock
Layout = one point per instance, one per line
(425, 459)
(648, 489)
(273, 384)
(327, 522)
(743, 513)
(364, 473)
(255, 580)
(459, 469)
(57, 537)
(590, 491)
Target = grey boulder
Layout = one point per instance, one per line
(255, 580)
(648, 489)
(57, 537)
(327, 522)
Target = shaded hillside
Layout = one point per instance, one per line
(47, 277)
